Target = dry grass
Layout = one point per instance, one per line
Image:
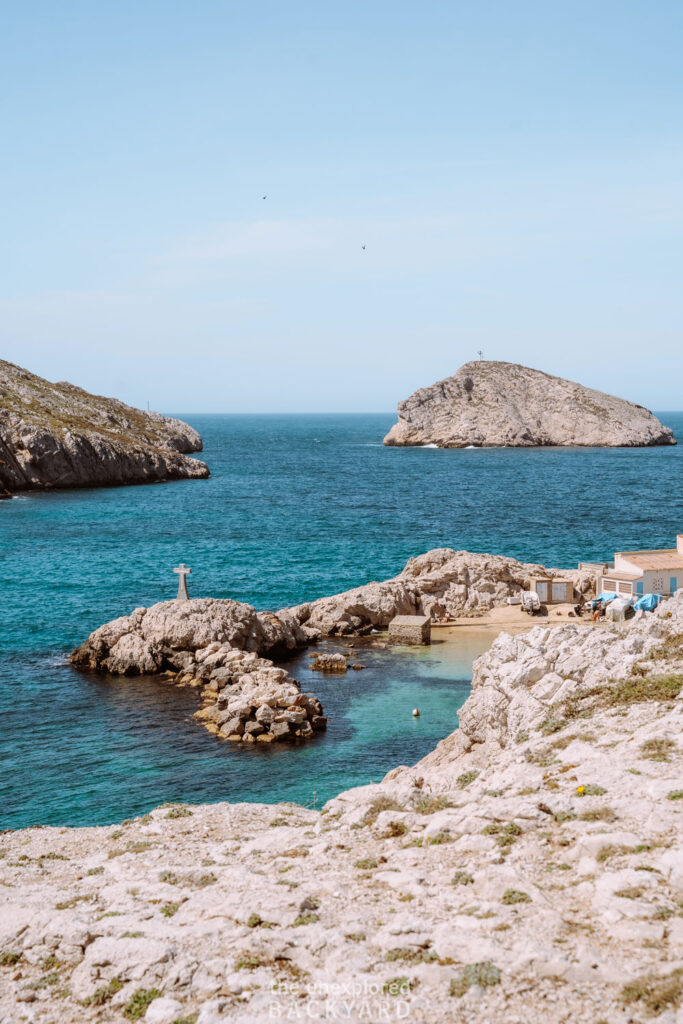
(658, 748)
(655, 994)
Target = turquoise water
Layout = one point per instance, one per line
(296, 507)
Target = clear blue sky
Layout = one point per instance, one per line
(513, 169)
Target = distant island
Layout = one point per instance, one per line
(57, 435)
(497, 404)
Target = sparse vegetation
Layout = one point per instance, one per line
(179, 811)
(462, 878)
(552, 724)
(521, 737)
(394, 829)
(599, 814)
(467, 778)
(376, 806)
(483, 974)
(136, 1007)
(675, 794)
(590, 789)
(655, 994)
(431, 804)
(10, 957)
(396, 987)
(308, 917)
(506, 833)
(169, 909)
(366, 864)
(439, 838)
(95, 871)
(411, 955)
(634, 892)
(104, 993)
(610, 850)
(512, 896)
(658, 748)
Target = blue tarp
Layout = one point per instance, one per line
(648, 602)
(606, 596)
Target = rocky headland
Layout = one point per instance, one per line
(57, 435)
(529, 870)
(492, 404)
(217, 647)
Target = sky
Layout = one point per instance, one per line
(262, 206)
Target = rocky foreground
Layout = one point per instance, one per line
(503, 404)
(529, 870)
(57, 435)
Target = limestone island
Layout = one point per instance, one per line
(495, 404)
(57, 435)
(529, 869)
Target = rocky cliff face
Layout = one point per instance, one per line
(491, 404)
(57, 435)
(466, 584)
(529, 870)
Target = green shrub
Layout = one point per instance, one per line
(136, 1007)
(483, 974)
(512, 896)
(466, 778)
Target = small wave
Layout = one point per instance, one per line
(430, 445)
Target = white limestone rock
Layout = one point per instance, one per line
(57, 435)
(493, 404)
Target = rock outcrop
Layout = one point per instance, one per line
(493, 404)
(214, 646)
(529, 870)
(57, 435)
(465, 584)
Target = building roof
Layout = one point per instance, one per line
(612, 574)
(662, 559)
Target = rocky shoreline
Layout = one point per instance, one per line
(527, 870)
(226, 650)
(214, 646)
(57, 435)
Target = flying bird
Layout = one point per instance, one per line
(362, 246)
(264, 197)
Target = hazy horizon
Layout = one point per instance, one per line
(252, 208)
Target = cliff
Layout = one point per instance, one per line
(530, 869)
(493, 404)
(57, 435)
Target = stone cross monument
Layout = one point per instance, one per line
(182, 571)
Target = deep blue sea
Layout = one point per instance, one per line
(296, 507)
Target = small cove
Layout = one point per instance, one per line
(296, 507)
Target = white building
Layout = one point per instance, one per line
(635, 573)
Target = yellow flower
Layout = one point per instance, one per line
(580, 789)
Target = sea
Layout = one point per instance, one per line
(296, 507)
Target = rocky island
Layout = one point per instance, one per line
(57, 435)
(497, 404)
(529, 870)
